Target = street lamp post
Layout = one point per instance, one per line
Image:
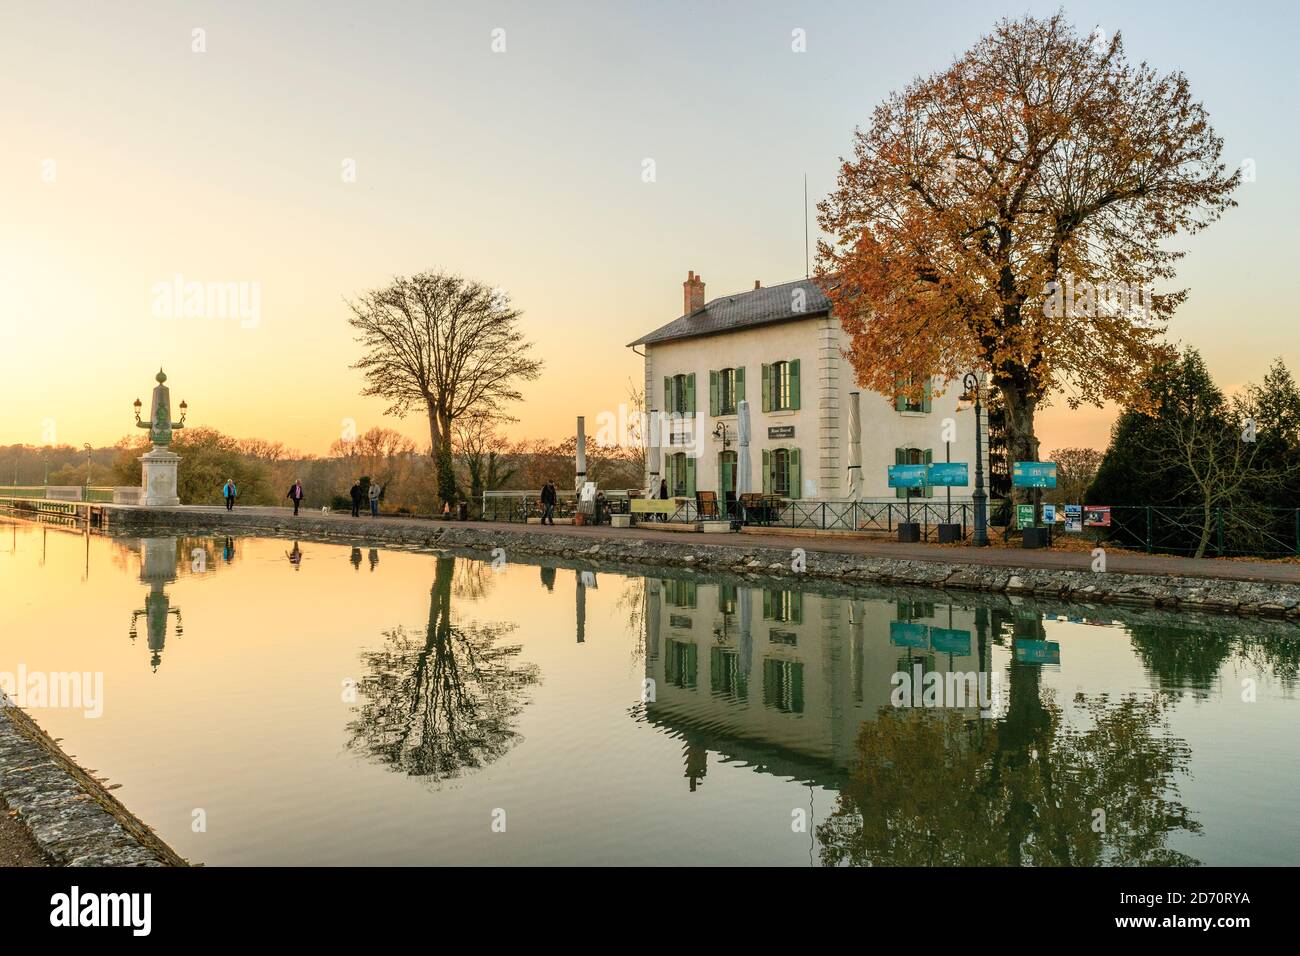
(981, 535)
(86, 445)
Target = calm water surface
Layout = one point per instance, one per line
(322, 704)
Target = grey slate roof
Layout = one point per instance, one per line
(730, 313)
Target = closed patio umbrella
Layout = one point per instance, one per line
(742, 453)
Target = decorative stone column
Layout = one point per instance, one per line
(158, 478)
(158, 467)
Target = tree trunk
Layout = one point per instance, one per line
(1022, 443)
(1205, 531)
(435, 432)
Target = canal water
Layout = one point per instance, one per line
(265, 701)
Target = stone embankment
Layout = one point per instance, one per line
(748, 555)
(69, 814)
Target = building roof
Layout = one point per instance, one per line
(730, 313)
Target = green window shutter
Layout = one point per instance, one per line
(925, 400)
(900, 458)
(714, 402)
(690, 476)
(796, 482)
(740, 384)
(767, 605)
(668, 394)
(767, 469)
(690, 394)
(929, 457)
(900, 400)
(767, 389)
(796, 607)
(667, 473)
(794, 383)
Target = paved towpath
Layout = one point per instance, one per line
(1152, 564)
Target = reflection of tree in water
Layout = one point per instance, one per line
(1187, 655)
(437, 706)
(936, 788)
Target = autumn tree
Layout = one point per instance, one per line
(449, 345)
(1012, 213)
(1075, 470)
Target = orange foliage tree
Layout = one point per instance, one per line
(1011, 214)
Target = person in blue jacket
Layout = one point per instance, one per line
(230, 493)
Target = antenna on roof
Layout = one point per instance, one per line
(806, 271)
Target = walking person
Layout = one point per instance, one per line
(663, 496)
(376, 490)
(548, 503)
(356, 499)
(230, 493)
(295, 494)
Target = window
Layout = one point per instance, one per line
(726, 679)
(727, 598)
(781, 386)
(679, 593)
(905, 401)
(784, 606)
(726, 389)
(681, 475)
(679, 394)
(788, 638)
(727, 474)
(681, 663)
(781, 474)
(783, 686)
(913, 456)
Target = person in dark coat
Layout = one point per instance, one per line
(295, 494)
(548, 503)
(356, 500)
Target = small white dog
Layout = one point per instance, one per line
(325, 510)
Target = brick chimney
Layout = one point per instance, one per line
(692, 293)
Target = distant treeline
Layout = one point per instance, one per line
(264, 470)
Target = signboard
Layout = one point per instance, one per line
(907, 634)
(947, 474)
(1024, 516)
(1037, 652)
(949, 641)
(1049, 514)
(906, 476)
(780, 431)
(1096, 516)
(1034, 474)
(1074, 517)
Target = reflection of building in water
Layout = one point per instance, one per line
(158, 562)
(783, 680)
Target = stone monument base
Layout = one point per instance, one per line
(158, 478)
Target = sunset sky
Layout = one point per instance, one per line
(129, 159)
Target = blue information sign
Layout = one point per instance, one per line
(948, 474)
(907, 634)
(1034, 474)
(1037, 652)
(906, 476)
(945, 640)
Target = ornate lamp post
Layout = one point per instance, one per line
(158, 467)
(981, 535)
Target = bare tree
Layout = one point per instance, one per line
(449, 345)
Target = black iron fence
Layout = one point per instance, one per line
(1253, 531)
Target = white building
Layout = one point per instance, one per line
(780, 348)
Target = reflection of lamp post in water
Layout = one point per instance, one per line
(157, 569)
(981, 536)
